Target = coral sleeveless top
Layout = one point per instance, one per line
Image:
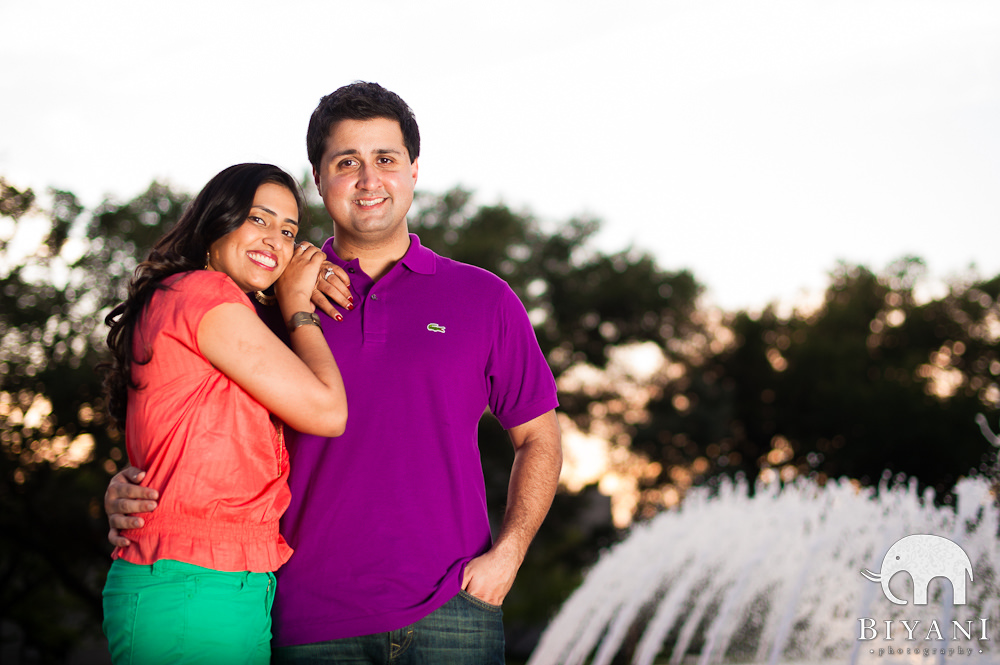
(214, 453)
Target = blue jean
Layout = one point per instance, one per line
(463, 631)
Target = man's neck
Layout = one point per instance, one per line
(376, 258)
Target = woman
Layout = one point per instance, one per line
(201, 386)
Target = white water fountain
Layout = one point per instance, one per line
(777, 578)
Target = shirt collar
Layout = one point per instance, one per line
(418, 258)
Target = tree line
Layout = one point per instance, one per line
(875, 385)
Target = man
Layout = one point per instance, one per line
(393, 553)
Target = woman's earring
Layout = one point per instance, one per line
(208, 255)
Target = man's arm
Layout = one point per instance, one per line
(533, 480)
(124, 497)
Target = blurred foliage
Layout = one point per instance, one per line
(581, 301)
(872, 384)
(875, 379)
(56, 453)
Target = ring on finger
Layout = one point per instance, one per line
(326, 275)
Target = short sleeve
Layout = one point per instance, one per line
(521, 386)
(177, 310)
(198, 292)
(202, 290)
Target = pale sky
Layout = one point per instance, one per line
(753, 142)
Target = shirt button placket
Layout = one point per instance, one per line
(375, 322)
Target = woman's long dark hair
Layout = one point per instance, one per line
(219, 209)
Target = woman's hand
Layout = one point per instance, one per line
(333, 284)
(295, 287)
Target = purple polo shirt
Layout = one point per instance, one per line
(384, 518)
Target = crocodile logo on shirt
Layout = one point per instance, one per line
(433, 327)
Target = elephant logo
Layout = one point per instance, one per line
(924, 557)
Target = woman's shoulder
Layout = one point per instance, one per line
(202, 279)
(207, 284)
(184, 299)
(193, 278)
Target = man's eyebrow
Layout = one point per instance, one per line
(355, 151)
(273, 214)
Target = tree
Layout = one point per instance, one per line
(873, 382)
(56, 451)
(581, 301)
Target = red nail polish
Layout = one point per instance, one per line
(338, 317)
(350, 306)
(350, 298)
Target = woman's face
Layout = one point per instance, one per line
(255, 254)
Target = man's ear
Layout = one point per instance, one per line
(414, 166)
(317, 181)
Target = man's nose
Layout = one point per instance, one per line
(368, 178)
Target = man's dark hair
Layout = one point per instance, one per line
(360, 101)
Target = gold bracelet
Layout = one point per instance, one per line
(303, 319)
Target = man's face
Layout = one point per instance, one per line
(366, 180)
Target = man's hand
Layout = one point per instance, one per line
(333, 284)
(489, 577)
(533, 480)
(124, 497)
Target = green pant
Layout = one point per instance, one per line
(173, 612)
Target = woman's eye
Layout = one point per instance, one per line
(256, 220)
(290, 234)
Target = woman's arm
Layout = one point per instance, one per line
(301, 385)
